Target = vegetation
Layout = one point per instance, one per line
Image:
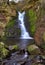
(15, 47)
(10, 23)
(3, 51)
(32, 21)
(32, 18)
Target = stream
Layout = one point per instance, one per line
(21, 56)
(18, 58)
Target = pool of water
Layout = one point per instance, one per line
(22, 43)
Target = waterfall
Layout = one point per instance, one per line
(16, 1)
(24, 33)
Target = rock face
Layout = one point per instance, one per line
(39, 35)
(5, 16)
(13, 32)
(2, 23)
(12, 29)
(40, 28)
(42, 1)
(1, 1)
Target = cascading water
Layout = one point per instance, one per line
(16, 1)
(24, 33)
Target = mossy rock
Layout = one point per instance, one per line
(43, 56)
(3, 51)
(14, 47)
(33, 49)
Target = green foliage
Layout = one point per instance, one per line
(3, 38)
(11, 23)
(3, 51)
(32, 16)
(32, 29)
(32, 20)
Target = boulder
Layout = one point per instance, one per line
(33, 49)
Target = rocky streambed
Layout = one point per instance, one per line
(23, 58)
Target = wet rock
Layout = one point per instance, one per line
(16, 58)
(28, 63)
(19, 57)
(11, 62)
(0, 63)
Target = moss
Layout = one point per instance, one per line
(33, 49)
(43, 46)
(3, 38)
(15, 47)
(3, 51)
(44, 36)
(31, 14)
(10, 23)
(32, 20)
(32, 29)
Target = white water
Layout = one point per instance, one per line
(16, 1)
(24, 33)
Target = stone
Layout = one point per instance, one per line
(33, 49)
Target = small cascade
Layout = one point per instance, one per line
(16, 1)
(24, 33)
